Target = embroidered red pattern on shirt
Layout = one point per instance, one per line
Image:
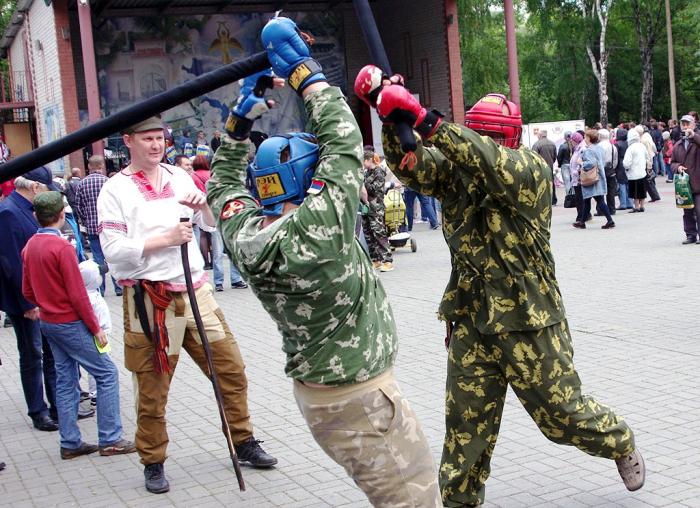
(110, 224)
(147, 190)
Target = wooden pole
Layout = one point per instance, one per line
(671, 68)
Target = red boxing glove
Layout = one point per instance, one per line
(395, 104)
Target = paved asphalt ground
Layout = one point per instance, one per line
(636, 325)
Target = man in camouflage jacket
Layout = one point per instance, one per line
(302, 260)
(373, 222)
(507, 323)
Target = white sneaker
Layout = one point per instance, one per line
(632, 470)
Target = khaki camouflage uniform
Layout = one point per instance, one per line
(373, 222)
(504, 301)
(313, 278)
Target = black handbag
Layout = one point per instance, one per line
(570, 199)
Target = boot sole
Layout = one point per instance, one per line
(159, 491)
(124, 451)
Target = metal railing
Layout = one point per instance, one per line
(14, 87)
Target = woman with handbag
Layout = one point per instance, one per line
(635, 163)
(592, 178)
(574, 168)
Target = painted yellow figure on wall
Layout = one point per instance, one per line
(224, 43)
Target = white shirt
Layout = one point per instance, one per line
(129, 211)
(635, 161)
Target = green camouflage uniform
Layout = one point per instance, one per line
(504, 301)
(314, 279)
(373, 222)
(307, 269)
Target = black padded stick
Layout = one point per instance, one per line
(134, 114)
(210, 362)
(378, 55)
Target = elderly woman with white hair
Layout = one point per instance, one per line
(650, 146)
(635, 163)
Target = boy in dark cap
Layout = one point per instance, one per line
(52, 281)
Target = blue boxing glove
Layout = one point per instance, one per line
(289, 54)
(250, 105)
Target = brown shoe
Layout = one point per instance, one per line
(632, 470)
(121, 447)
(83, 449)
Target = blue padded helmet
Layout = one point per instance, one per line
(277, 182)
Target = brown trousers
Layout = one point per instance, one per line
(151, 389)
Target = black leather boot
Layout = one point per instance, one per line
(155, 479)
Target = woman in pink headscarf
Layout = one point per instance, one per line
(575, 168)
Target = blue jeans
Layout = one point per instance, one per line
(73, 345)
(218, 260)
(409, 196)
(99, 258)
(36, 366)
(669, 172)
(658, 164)
(625, 201)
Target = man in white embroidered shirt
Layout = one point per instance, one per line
(139, 212)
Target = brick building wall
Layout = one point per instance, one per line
(63, 37)
(48, 95)
(417, 46)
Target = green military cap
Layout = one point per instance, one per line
(150, 124)
(48, 204)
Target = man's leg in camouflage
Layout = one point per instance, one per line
(370, 429)
(370, 238)
(383, 249)
(475, 394)
(539, 366)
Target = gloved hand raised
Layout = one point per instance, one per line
(370, 81)
(289, 54)
(395, 104)
(250, 105)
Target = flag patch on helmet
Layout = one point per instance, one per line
(269, 186)
(316, 187)
(232, 208)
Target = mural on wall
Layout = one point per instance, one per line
(52, 132)
(140, 57)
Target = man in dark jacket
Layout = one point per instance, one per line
(622, 182)
(36, 364)
(564, 159)
(548, 151)
(686, 159)
(659, 143)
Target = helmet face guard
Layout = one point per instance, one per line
(277, 182)
(498, 118)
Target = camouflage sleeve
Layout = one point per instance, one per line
(227, 194)
(518, 178)
(432, 172)
(374, 182)
(331, 209)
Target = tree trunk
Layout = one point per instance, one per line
(603, 89)
(600, 66)
(647, 83)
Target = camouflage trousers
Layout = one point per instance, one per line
(376, 237)
(539, 367)
(370, 430)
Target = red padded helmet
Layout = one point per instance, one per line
(496, 117)
(368, 84)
